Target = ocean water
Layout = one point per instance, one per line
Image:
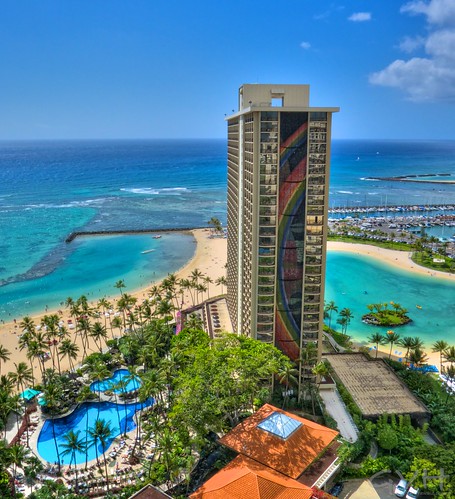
(354, 161)
(354, 281)
(49, 189)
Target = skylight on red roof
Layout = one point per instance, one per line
(280, 425)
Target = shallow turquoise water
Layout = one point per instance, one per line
(350, 276)
(93, 266)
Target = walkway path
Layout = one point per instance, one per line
(336, 408)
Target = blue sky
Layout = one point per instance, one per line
(170, 68)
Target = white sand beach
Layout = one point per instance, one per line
(401, 259)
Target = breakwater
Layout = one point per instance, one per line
(83, 233)
(429, 178)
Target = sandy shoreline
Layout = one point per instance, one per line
(210, 258)
(401, 259)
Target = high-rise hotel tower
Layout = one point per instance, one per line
(278, 169)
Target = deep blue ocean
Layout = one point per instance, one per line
(49, 189)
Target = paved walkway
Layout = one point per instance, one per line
(335, 407)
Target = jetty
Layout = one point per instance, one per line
(81, 233)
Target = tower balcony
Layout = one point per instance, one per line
(313, 270)
(265, 319)
(308, 308)
(268, 190)
(267, 241)
(266, 300)
(265, 337)
(267, 251)
(311, 299)
(269, 200)
(264, 309)
(266, 280)
(312, 279)
(265, 328)
(267, 210)
(267, 231)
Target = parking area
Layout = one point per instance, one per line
(380, 488)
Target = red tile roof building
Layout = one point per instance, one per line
(281, 456)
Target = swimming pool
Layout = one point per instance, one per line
(120, 417)
(107, 384)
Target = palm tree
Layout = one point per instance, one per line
(27, 324)
(449, 374)
(185, 284)
(320, 370)
(125, 303)
(440, 347)
(52, 392)
(5, 355)
(221, 281)
(17, 456)
(72, 445)
(329, 308)
(343, 322)
(418, 357)
(195, 275)
(165, 309)
(104, 305)
(97, 372)
(377, 339)
(346, 313)
(208, 280)
(85, 394)
(22, 375)
(84, 328)
(287, 375)
(120, 284)
(410, 344)
(392, 338)
(98, 333)
(68, 349)
(449, 355)
(101, 432)
(117, 323)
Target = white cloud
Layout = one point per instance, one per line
(422, 79)
(440, 12)
(409, 44)
(431, 77)
(360, 16)
(305, 45)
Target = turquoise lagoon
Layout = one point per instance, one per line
(354, 281)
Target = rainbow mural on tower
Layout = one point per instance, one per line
(291, 231)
